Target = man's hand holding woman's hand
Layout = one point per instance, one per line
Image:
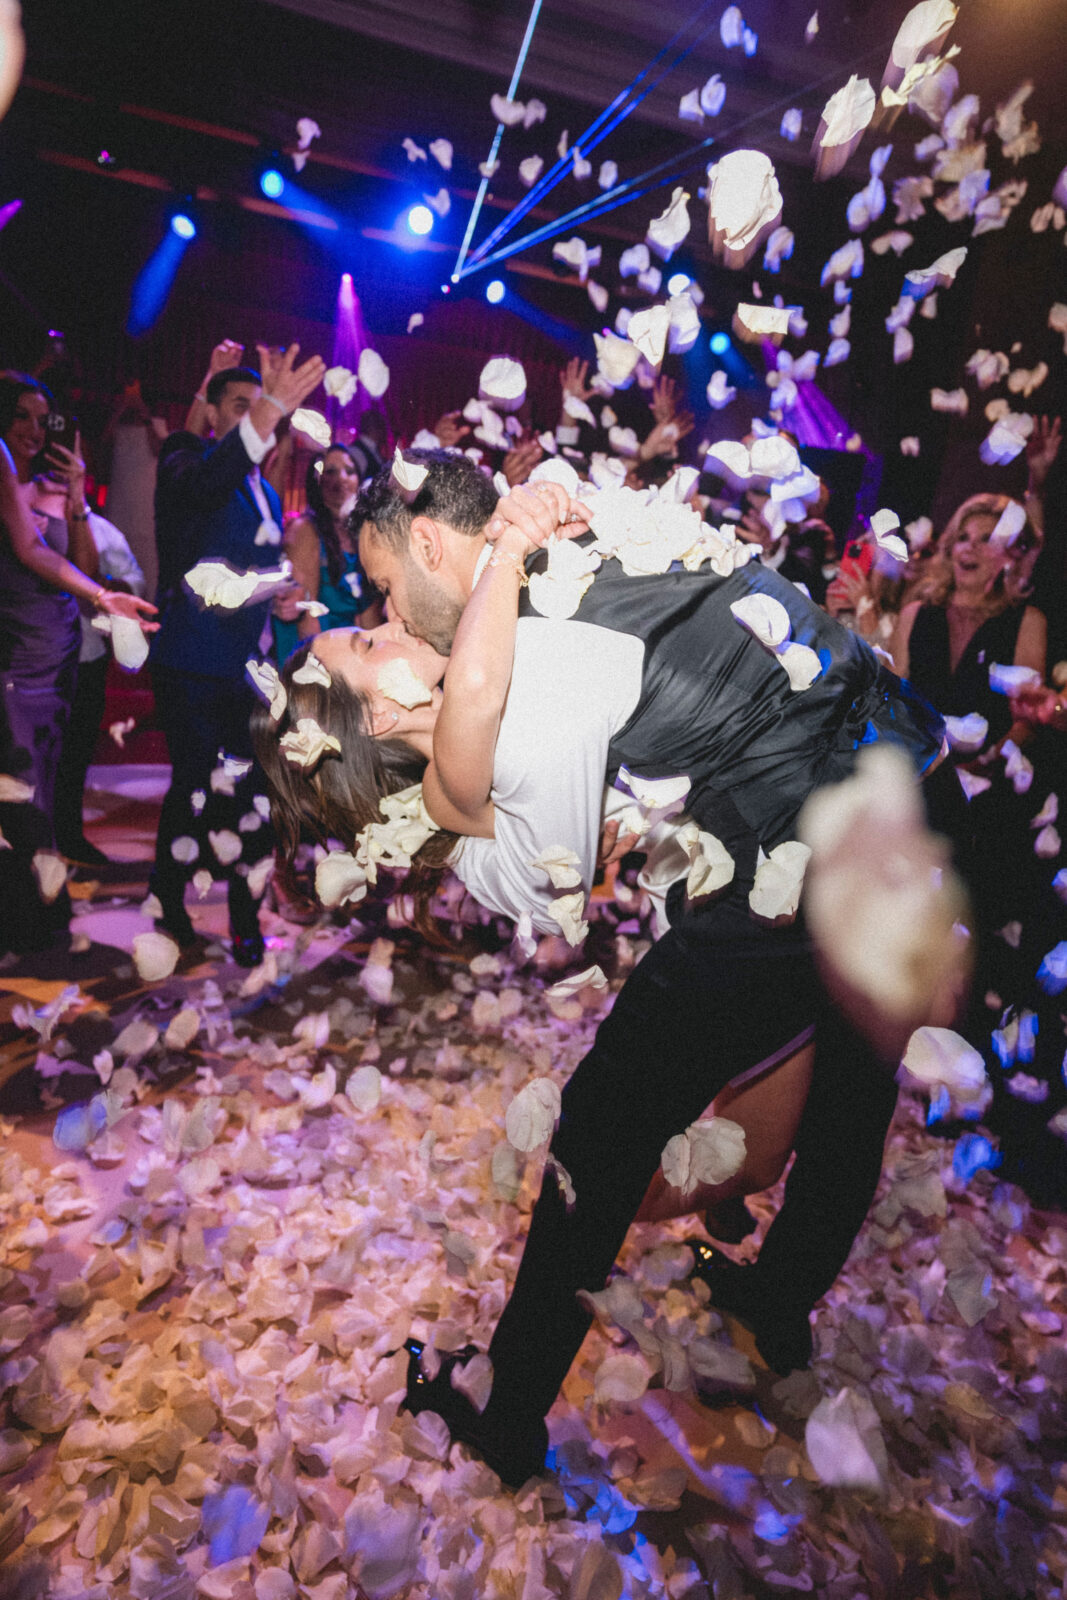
(538, 512)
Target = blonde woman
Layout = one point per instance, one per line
(968, 610)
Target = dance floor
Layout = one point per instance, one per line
(226, 1198)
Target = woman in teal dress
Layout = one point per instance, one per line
(325, 558)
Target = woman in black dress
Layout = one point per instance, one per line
(969, 612)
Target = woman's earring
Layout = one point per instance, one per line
(396, 716)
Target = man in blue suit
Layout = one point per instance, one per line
(213, 504)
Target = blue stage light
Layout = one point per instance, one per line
(720, 343)
(678, 282)
(494, 292)
(420, 219)
(272, 183)
(183, 225)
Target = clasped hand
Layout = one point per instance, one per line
(539, 512)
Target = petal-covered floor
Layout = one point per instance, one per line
(224, 1202)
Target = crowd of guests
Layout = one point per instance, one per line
(961, 601)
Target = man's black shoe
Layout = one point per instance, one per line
(248, 951)
(782, 1333)
(176, 921)
(730, 1220)
(83, 854)
(515, 1450)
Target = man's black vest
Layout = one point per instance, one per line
(718, 707)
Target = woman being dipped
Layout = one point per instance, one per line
(446, 739)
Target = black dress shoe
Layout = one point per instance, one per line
(83, 854)
(782, 1333)
(730, 1220)
(176, 921)
(514, 1448)
(248, 950)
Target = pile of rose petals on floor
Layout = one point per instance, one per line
(270, 1184)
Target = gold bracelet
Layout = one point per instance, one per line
(504, 558)
(99, 596)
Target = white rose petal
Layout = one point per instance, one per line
(306, 744)
(940, 275)
(953, 401)
(364, 1088)
(50, 870)
(709, 1151)
(801, 663)
(779, 881)
(474, 1378)
(620, 1378)
(843, 1438)
(313, 424)
(182, 1029)
(561, 865)
(616, 359)
(509, 112)
(753, 323)
(711, 866)
(567, 911)
(648, 331)
(939, 1056)
(567, 988)
(666, 232)
(966, 734)
(155, 956)
(373, 373)
(217, 585)
(13, 791)
(503, 383)
(399, 681)
(264, 674)
(744, 204)
(531, 1116)
(845, 116)
(574, 252)
(136, 1038)
(226, 845)
(128, 640)
(409, 476)
(1010, 679)
(764, 617)
(341, 385)
(340, 879)
(720, 392)
(312, 671)
(259, 875)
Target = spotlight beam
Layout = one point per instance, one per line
(483, 187)
(666, 172)
(598, 130)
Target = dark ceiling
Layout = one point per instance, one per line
(190, 97)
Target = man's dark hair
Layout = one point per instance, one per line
(221, 381)
(455, 492)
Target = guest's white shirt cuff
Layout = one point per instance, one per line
(258, 449)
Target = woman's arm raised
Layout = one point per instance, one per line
(459, 779)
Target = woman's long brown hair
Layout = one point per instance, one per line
(340, 795)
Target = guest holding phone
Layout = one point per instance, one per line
(48, 562)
